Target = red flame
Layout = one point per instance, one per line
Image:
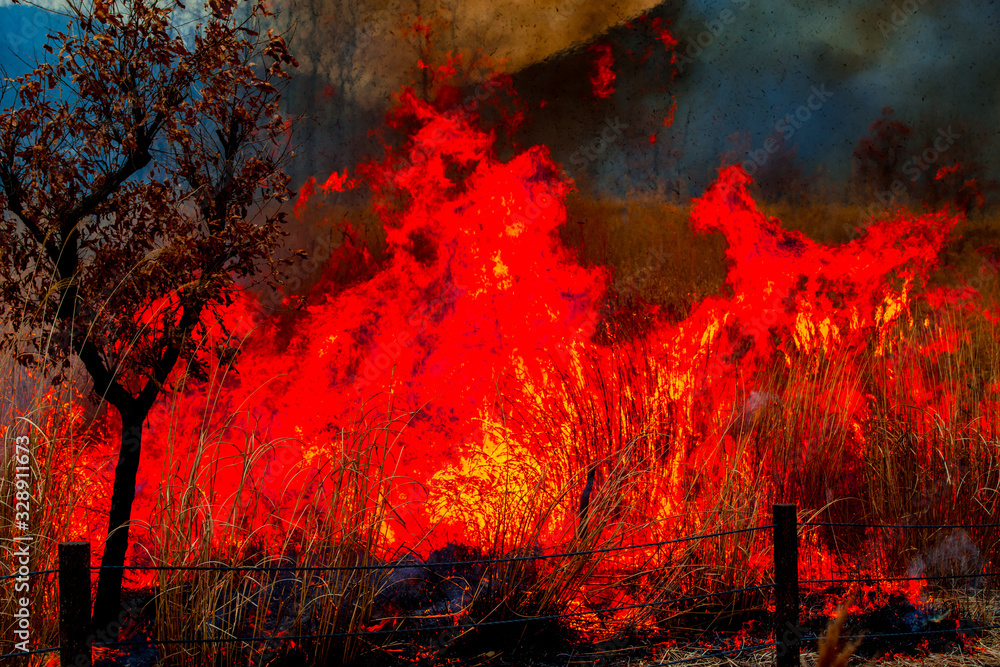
(944, 171)
(480, 320)
(602, 79)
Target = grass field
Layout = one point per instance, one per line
(916, 468)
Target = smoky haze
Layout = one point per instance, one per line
(743, 66)
(354, 56)
(933, 62)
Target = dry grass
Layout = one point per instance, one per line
(58, 440)
(611, 418)
(338, 525)
(832, 652)
(650, 250)
(987, 653)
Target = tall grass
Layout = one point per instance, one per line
(334, 520)
(55, 423)
(610, 421)
(609, 424)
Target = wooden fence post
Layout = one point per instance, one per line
(787, 633)
(74, 604)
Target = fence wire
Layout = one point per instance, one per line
(900, 525)
(469, 626)
(32, 652)
(419, 564)
(864, 579)
(31, 573)
(549, 617)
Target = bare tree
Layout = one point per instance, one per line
(141, 173)
(879, 156)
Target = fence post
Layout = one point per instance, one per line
(787, 633)
(74, 604)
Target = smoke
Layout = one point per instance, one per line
(955, 554)
(743, 66)
(354, 56)
(931, 61)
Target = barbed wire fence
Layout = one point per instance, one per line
(76, 642)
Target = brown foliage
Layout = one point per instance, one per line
(140, 172)
(135, 168)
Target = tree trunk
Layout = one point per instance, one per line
(107, 602)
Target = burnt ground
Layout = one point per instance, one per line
(433, 599)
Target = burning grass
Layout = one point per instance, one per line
(916, 469)
(485, 394)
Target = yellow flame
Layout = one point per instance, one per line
(501, 272)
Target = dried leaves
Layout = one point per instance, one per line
(134, 164)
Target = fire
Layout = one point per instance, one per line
(476, 340)
(603, 77)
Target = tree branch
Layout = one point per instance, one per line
(15, 193)
(105, 384)
(190, 316)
